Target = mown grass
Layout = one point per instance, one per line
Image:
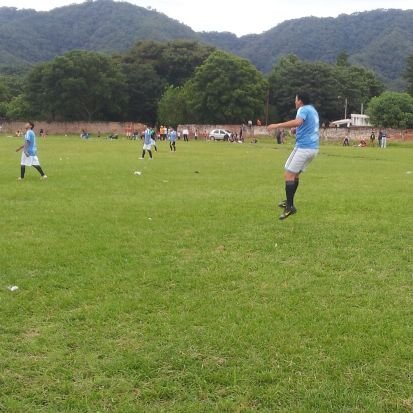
(180, 290)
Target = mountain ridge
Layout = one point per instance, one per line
(380, 40)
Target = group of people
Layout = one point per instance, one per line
(149, 141)
(305, 126)
(382, 140)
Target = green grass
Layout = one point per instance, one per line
(180, 290)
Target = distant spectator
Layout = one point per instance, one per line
(383, 140)
(372, 137)
(185, 134)
(278, 136)
(380, 137)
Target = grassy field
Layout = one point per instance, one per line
(179, 290)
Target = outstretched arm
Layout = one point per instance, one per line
(294, 123)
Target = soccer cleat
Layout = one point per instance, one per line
(287, 212)
(20, 178)
(140, 158)
(43, 177)
(283, 204)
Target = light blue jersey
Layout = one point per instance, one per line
(30, 137)
(148, 137)
(172, 136)
(307, 135)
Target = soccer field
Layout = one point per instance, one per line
(179, 290)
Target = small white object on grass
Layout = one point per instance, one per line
(13, 287)
(138, 173)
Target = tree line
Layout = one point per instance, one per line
(187, 82)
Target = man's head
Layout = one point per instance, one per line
(29, 125)
(301, 99)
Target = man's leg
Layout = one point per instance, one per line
(39, 169)
(22, 171)
(291, 185)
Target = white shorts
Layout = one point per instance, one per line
(29, 160)
(299, 159)
(147, 147)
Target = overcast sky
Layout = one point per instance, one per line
(237, 16)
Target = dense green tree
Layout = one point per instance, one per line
(292, 75)
(226, 89)
(79, 85)
(391, 110)
(18, 108)
(143, 89)
(150, 67)
(173, 61)
(328, 85)
(11, 86)
(173, 108)
(342, 59)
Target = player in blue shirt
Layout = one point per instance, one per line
(29, 155)
(306, 125)
(172, 140)
(147, 143)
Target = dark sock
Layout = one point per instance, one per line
(150, 154)
(296, 181)
(143, 154)
(22, 171)
(39, 169)
(289, 192)
(170, 146)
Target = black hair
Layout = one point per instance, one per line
(31, 124)
(304, 97)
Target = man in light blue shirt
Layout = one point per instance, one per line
(147, 143)
(306, 126)
(29, 155)
(172, 140)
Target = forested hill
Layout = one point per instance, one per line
(380, 39)
(27, 36)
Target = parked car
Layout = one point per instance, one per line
(219, 135)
